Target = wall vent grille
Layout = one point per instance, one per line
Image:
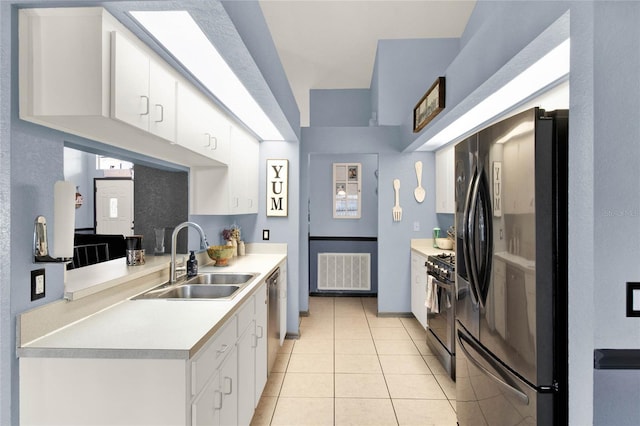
(344, 271)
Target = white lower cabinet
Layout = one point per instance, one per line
(419, 288)
(262, 299)
(217, 404)
(220, 385)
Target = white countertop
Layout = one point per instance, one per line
(152, 328)
(424, 246)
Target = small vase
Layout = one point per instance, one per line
(234, 243)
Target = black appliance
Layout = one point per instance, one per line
(441, 320)
(511, 277)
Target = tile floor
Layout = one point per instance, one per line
(351, 367)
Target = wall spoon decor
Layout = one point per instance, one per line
(419, 192)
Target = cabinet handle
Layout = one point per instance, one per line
(217, 400)
(146, 99)
(222, 349)
(255, 341)
(161, 113)
(208, 145)
(215, 143)
(261, 332)
(228, 384)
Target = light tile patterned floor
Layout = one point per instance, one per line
(351, 367)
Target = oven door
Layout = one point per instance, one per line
(440, 320)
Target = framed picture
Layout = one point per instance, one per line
(347, 188)
(429, 105)
(277, 188)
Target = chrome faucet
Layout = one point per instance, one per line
(174, 236)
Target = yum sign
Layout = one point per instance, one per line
(277, 187)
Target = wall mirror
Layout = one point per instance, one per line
(346, 190)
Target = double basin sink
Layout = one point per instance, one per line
(203, 286)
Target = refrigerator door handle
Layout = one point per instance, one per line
(474, 281)
(484, 193)
(480, 192)
(502, 383)
(466, 238)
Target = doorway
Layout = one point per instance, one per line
(113, 206)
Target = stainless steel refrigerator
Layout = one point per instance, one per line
(511, 277)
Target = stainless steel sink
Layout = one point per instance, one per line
(204, 286)
(200, 291)
(221, 278)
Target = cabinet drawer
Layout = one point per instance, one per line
(246, 315)
(211, 356)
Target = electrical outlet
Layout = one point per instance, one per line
(37, 284)
(265, 234)
(416, 226)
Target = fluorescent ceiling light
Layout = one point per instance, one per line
(182, 37)
(547, 70)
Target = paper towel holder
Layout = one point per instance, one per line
(40, 245)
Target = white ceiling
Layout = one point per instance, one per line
(329, 44)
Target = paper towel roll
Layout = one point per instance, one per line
(64, 218)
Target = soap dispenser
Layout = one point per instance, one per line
(192, 265)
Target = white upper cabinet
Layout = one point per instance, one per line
(143, 92)
(232, 189)
(83, 72)
(202, 128)
(445, 180)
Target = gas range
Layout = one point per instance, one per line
(442, 266)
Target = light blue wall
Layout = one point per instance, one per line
(7, 324)
(322, 223)
(405, 69)
(616, 189)
(393, 237)
(497, 31)
(345, 107)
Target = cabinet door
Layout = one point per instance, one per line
(206, 408)
(246, 375)
(162, 91)
(229, 388)
(191, 127)
(418, 288)
(243, 172)
(200, 127)
(445, 180)
(130, 83)
(261, 340)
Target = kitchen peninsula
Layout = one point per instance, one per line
(152, 361)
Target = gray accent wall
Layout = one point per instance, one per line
(161, 200)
